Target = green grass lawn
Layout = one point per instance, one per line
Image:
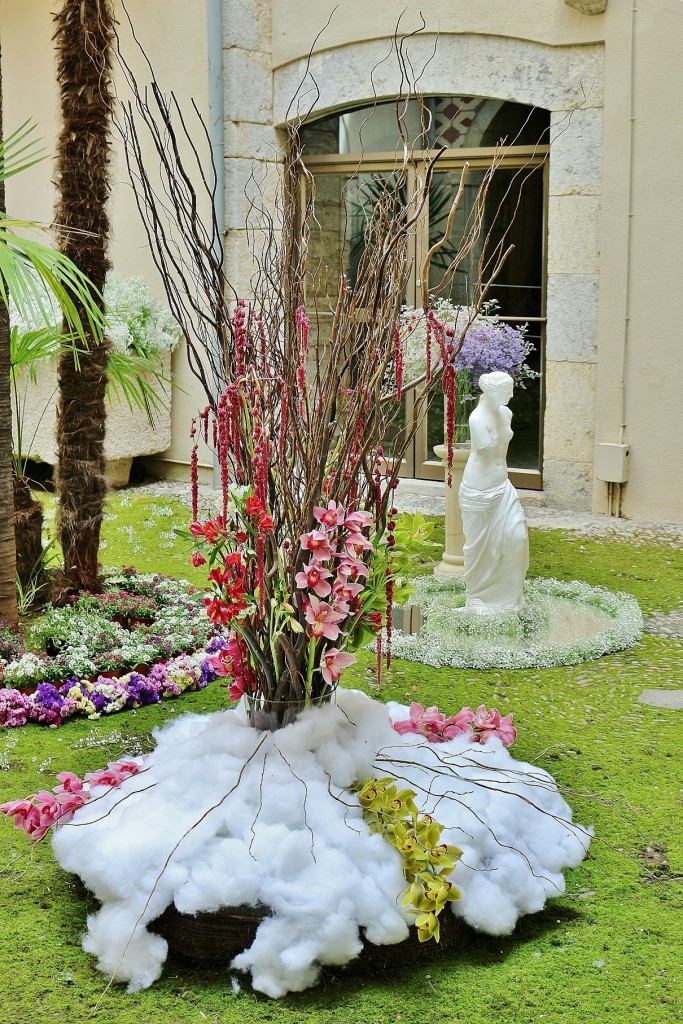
(611, 949)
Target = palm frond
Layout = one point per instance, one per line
(29, 267)
(19, 150)
(128, 379)
(30, 348)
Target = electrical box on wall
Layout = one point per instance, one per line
(611, 464)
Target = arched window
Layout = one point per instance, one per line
(347, 152)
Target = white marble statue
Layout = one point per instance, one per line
(496, 549)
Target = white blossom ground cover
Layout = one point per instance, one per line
(222, 815)
(561, 623)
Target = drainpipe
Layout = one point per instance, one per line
(214, 17)
(612, 459)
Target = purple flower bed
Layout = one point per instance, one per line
(51, 705)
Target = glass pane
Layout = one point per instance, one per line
(338, 237)
(458, 122)
(513, 216)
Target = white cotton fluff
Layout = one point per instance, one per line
(224, 816)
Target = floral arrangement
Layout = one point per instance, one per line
(51, 704)
(37, 814)
(485, 344)
(437, 728)
(345, 580)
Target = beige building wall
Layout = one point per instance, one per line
(614, 241)
(639, 389)
(177, 47)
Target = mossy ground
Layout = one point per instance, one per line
(610, 949)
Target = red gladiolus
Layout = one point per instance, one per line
(198, 559)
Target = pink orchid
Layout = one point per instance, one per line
(458, 724)
(44, 813)
(70, 801)
(353, 567)
(314, 577)
(70, 783)
(489, 723)
(427, 722)
(114, 774)
(433, 724)
(237, 688)
(19, 810)
(344, 591)
(330, 517)
(322, 619)
(357, 521)
(356, 543)
(333, 664)
(318, 543)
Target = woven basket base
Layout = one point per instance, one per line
(219, 936)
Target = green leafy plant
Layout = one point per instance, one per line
(426, 861)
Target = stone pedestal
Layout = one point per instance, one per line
(452, 559)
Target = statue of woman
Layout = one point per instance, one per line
(496, 549)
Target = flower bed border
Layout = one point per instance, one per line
(430, 648)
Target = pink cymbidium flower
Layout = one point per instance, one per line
(352, 567)
(458, 724)
(314, 577)
(433, 724)
(317, 543)
(330, 517)
(322, 619)
(70, 783)
(427, 722)
(489, 723)
(345, 591)
(114, 774)
(357, 521)
(333, 664)
(355, 544)
(220, 663)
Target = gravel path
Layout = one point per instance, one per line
(584, 524)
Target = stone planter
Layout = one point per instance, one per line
(128, 432)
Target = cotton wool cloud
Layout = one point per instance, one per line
(223, 816)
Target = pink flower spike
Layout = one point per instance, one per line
(357, 521)
(333, 664)
(330, 517)
(314, 577)
(318, 543)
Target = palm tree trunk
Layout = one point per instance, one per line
(8, 590)
(83, 33)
